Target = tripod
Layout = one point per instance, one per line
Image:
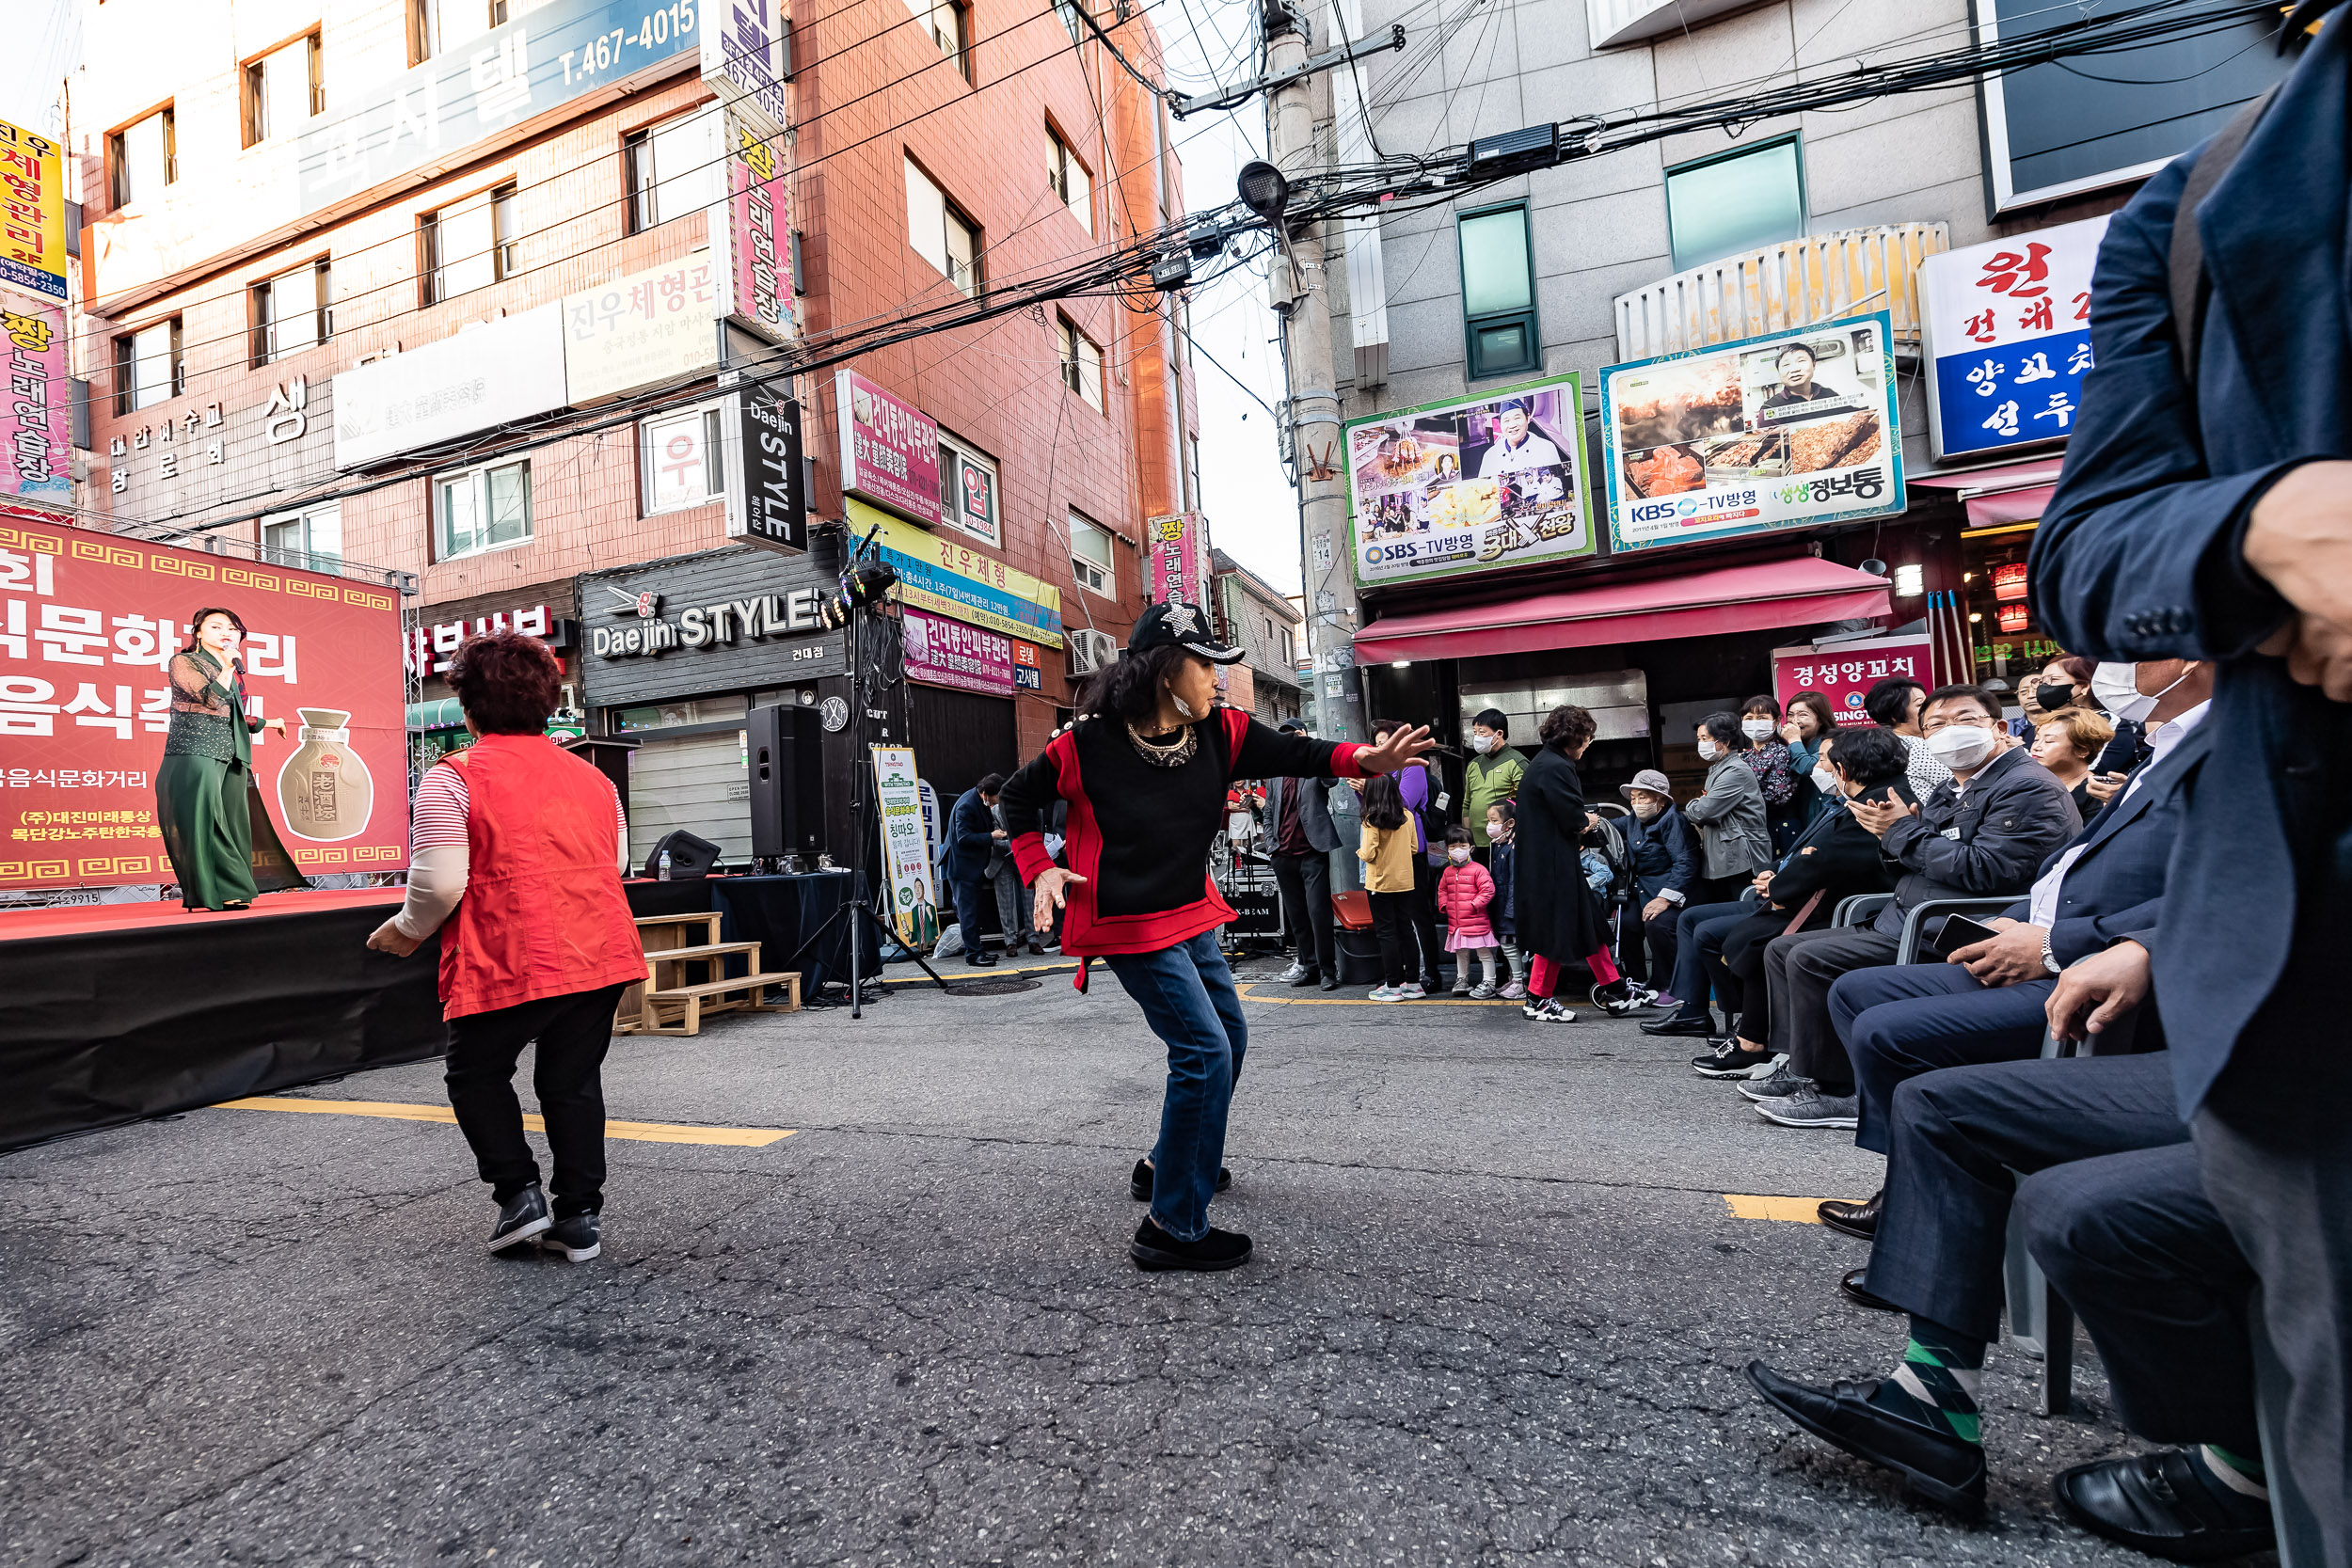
(860, 906)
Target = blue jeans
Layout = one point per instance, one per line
(1698, 934)
(1187, 996)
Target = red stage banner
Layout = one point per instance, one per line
(89, 622)
(1844, 672)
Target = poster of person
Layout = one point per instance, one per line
(1796, 428)
(1467, 486)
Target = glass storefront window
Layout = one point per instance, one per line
(2006, 639)
(686, 710)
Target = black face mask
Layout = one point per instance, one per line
(2053, 698)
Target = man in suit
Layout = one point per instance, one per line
(1298, 825)
(2205, 512)
(1985, 832)
(972, 838)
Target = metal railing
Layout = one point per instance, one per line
(1821, 277)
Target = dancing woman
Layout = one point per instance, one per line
(208, 802)
(1145, 769)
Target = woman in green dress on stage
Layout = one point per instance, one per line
(215, 829)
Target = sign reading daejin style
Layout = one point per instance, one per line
(767, 494)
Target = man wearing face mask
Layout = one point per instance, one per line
(1493, 773)
(1985, 832)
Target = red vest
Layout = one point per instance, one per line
(543, 914)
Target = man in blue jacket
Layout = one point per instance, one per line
(972, 838)
(2205, 512)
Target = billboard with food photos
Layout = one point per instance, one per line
(88, 625)
(1784, 430)
(1475, 485)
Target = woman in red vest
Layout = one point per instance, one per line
(517, 846)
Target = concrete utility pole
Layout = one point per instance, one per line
(1303, 300)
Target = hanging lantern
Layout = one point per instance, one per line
(2009, 582)
(2012, 617)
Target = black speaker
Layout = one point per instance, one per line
(690, 857)
(787, 782)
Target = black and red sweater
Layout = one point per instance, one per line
(1138, 834)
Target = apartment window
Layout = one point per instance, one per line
(968, 490)
(471, 246)
(1068, 11)
(680, 456)
(673, 168)
(145, 157)
(481, 509)
(292, 311)
(1192, 475)
(1736, 202)
(1498, 292)
(434, 24)
(1081, 361)
(939, 233)
(1068, 179)
(313, 541)
(148, 367)
(946, 25)
(1091, 557)
(1290, 648)
(283, 90)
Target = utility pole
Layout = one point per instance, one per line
(1303, 300)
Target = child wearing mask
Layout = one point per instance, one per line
(1387, 852)
(1502, 821)
(1466, 894)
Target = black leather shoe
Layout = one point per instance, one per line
(1853, 1286)
(2158, 1503)
(520, 1218)
(1155, 1249)
(1937, 1466)
(1139, 1183)
(1331, 982)
(1853, 1219)
(980, 960)
(579, 1238)
(1690, 1028)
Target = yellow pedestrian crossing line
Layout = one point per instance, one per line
(397, 1110)
(1768, 1206)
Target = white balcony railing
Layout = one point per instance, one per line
(1821, 277)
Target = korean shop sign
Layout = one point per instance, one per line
(1846, 672)
(1177, 548)
(188, 457)
(32, 213)
(539, 62)
(651, 326)
(743, 60)
(757, 229)
(2007, 337)
(889, 449)
(947, 577)
(426, 650)
(36, 426)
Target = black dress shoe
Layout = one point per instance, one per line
(1853, 1219)
(520, 1218)
(1690, 1028)
(1853, 1286)
(2158, 1503)
(1139, 1183)
(1331, 982)
(980, 960)
(1155, 1249)
(1938, 1466)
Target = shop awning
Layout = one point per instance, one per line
(2014, 493)
(1775, 594)
(443, 712)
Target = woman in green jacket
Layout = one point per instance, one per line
(209, 804)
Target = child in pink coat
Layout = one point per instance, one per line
(1464, 892)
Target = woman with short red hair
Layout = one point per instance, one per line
(514, 859)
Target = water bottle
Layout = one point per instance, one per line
(663, 873)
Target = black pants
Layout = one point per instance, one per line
(1392, 922)
(1635, 952)
(1740, 973)
(1799, 967)
(1306, 884)
(573, 1033)
(972, 898)
(1425, 920)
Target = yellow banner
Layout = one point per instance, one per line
(946, 576)
(32, 213)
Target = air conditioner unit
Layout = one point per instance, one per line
(1090, 650)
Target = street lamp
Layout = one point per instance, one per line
(1264, 189)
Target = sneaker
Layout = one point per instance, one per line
(1617, 1000)
(1385, 993)
(1411, 991)
(1643, 995)
(1139, 1180)
(1548, 1010)
(1515, 992)
(1292, 975)
(1776, 1085)
(1730, 1059)
(1779, 1059)
(1154, 1249)
(520, 1218)
(1809, 1107)
(1483, 992)
(579, 1238)
(1461, 985)
(1665, 1002)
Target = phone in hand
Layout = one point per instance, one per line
(1960, 932)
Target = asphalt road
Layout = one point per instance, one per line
(1498, 1314)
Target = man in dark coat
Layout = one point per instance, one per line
(1298, 825)
(2205, 512)
(973, 836)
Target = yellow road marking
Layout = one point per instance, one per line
(636, 1131)
(1250, 989)
(1765, 1206)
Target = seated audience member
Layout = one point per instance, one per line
(1810, 718)
(1834, 859)
(1987, 831)
(2065, 742)
(1898, 704)
(2113, 1211)
(1734, 841)
(1666, 865)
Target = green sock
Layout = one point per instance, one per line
(2241, 1475)
(1936, 1383)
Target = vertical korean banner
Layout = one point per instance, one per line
(1177, 546)
(32, 213)
(88, 625)
(2006, 329)
(906, 847)
(36, 418)
(889, 449)
(757, 228)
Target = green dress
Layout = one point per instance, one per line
(207, 799)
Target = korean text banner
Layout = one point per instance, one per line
(36, 421)
(889, 449)
(1783, 431)
(32, 213)
(2007, 328)
(1845, 674)
(950, 577)
(756, 230)
(940, 651)
(651, 326)
(1177, 547)
(906, 845)
(88, 625)
(1450, 488)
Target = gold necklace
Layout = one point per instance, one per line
(1164, 754)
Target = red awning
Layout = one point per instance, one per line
(2014, 493)
(1776, 594)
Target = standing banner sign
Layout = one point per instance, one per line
(2006, 327)
(32, 213)
(889, 449)
(36, 419)
(1844, 672)
(906, 847)
(1783, 431)
(88, 625)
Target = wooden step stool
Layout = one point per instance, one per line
(670, 944)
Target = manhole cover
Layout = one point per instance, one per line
(990, 988)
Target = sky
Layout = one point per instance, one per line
(29, 76)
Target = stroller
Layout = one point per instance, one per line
(1617, 893)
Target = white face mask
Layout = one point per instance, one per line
(1458, 854)
(1959, 746)
(1708, 750)
(1648, 810)
(1482, 743)
(2116, 688)
(1827, 781)
(1758, 729)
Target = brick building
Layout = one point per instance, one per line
(456, 213)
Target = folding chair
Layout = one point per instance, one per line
(2300, 1542)
(1861, 906)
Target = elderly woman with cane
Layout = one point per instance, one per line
(1145, 769)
